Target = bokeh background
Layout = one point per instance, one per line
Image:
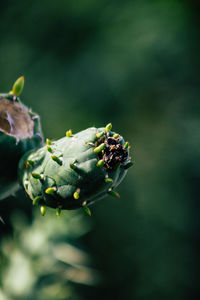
(87, 63)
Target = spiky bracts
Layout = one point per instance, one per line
(76, 170)
(20, 131)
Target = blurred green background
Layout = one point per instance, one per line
(87, 63)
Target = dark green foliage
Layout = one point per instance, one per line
(135, 63)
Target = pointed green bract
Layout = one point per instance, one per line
(36, 200)
(76, 194)
(58, 211)
(100, 163)
(87, 210)
(30, 162)
(18, 86)
(48, 141)
(50, 190)
(36, 176)
(108, 180)
(57, 159)
(73, 166)
(99, 148)
(43, 210)
(100, 134)
(68, 133)
(108, 127)
(114, 194)
(84, 174)
(128, 165)
(49, 149)
(126, 145)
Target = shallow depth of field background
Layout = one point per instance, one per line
(87, 63)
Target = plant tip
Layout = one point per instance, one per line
(108, 127)
(18, 86)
